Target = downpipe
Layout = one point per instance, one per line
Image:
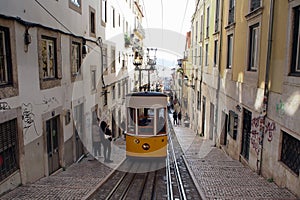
(266, 90)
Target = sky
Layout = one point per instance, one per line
(166, 23)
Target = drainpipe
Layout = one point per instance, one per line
(266, 89)
(100, 44)
(219, 69)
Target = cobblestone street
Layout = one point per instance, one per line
(219, 176)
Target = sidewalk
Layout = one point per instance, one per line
(220, 177)
(78, 181)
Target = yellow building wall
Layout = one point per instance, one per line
(279, 48)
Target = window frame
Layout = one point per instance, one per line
(231, 12)
(229, 55)
(295, 42)
(253, 62)
(7, 57)
(254, 6)
(283, 161)
(206, 54)
(53, 57)
(216, 49)
(104, 57)
(103, 12)
(217, 16)
(74, 7)
(79, 54)
(93, 79)
(113, 60)
(92, 21)
(207, 21)
(46, 83)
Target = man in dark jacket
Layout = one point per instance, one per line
(106, 137)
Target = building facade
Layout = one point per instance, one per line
(60, 63)
(246, 54)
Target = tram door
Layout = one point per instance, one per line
(52, 132)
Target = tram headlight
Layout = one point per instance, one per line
(136, 141)
(146, 146)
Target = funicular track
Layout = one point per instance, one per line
(138, 178)
(180, 184)
(135, 179)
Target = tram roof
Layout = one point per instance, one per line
(157, 94)
(146, 100)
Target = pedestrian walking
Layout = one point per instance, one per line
(175, 117)
(96, 138)
(106, 138)
(179, 118)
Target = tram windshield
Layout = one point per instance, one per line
(149, 121)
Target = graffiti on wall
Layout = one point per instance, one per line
(28, 118)
(258, 126)
(4, 106)
(48, 101)
(280, 107)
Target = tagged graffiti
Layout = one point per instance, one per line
(258, 126)
(28, 117)
(269, 128)
(4, 106)
(280, 108)
(48, 102)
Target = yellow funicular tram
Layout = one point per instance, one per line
(146, 126)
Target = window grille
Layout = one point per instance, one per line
(290, 155)
(8, 148)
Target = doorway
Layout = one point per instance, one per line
(52, 134)
(246, 134)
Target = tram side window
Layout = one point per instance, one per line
(131, 120)
(161, 123)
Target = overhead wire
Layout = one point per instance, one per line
(162, 26)
(146, 20)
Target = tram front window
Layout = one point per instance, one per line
(145, 121)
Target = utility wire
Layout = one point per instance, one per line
(53, 16)
(162, 26)
(186, 5)
(146, 20)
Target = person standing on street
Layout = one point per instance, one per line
(96, 139)
(106, 138)
(175, 117)
(179, 118)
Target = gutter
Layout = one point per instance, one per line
(266, 88)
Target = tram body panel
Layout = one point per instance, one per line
(144, 146)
